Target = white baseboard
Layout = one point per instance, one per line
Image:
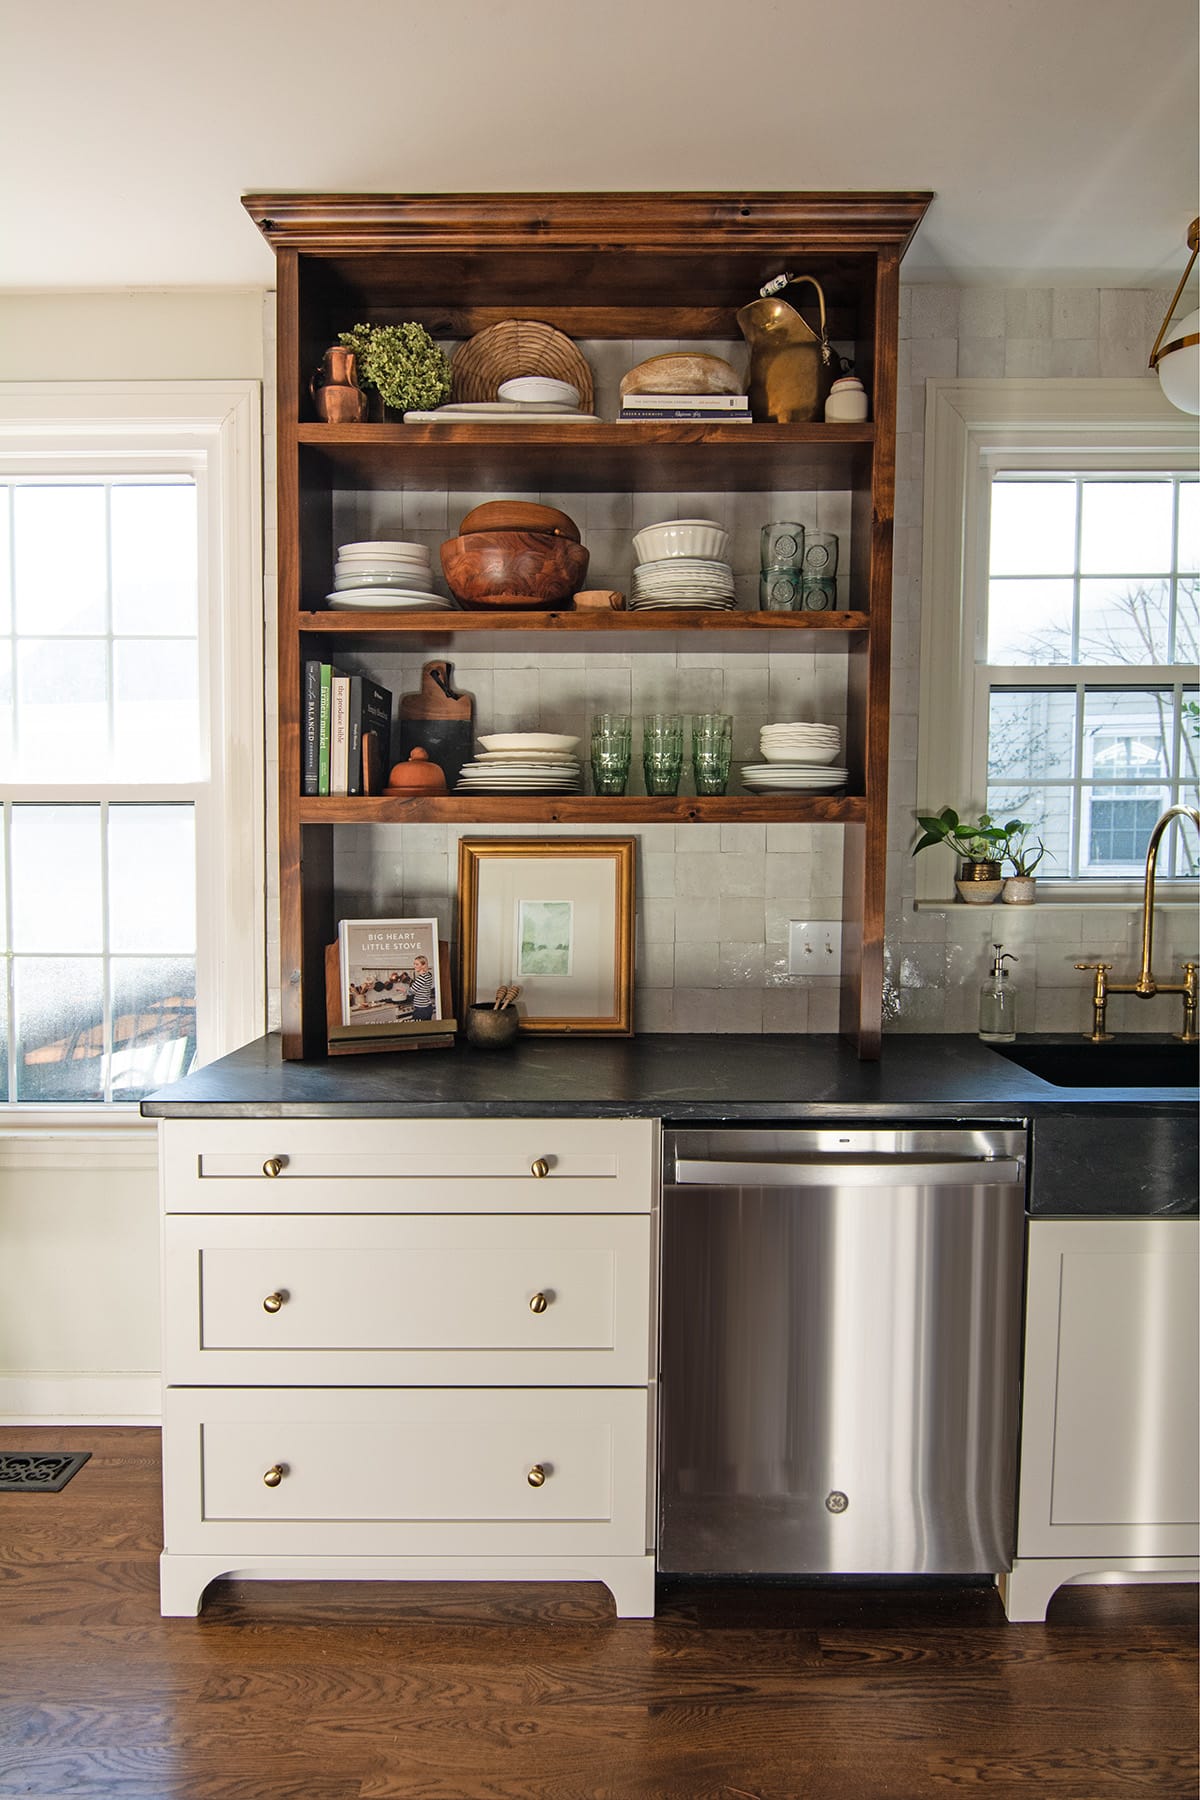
(80, 1400)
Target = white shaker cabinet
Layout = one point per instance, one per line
(1109, 1479)
(408, 1349)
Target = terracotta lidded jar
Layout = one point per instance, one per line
(419, 775)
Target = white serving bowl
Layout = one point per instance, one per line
(681, 537)
(383, 547)
(798, 753)
(539, 387)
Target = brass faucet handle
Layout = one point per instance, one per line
(1095, 965)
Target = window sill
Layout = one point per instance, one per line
(1065, 897)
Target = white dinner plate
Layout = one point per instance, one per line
(534, 758)
(781, 771)
(387, 600)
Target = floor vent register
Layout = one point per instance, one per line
(32, 1472)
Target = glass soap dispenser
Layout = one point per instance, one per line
(998, 1001)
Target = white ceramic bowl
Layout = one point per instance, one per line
(383, 547)
(539, 387)
(798, 753)
(681, 537)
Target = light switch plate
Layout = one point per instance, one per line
(814, 947)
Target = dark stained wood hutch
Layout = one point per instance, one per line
(673, 266)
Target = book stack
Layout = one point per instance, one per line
(345, 732)
(709, 409)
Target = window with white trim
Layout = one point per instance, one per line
(1089, 670)
(1060, 624)
(131, 892)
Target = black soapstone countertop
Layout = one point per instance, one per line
(1121, 1151)
(673, 1076)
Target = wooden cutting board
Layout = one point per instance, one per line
(439, 721)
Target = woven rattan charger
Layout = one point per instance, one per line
(518, 347)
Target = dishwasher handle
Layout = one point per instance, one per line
(834, 1171)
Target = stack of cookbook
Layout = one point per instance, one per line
(706, 409)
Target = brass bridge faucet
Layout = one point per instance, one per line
(1146, 986)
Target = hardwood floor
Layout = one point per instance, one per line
(305, 1691)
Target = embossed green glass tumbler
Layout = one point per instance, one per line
(662, 752)
(712, 750)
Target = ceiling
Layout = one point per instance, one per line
(1060, 136)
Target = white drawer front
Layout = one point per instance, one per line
(343, 1300)
(409, 1165)
(406, 1472)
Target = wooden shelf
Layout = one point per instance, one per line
(585, 809)
(823, 630)
(651, 458)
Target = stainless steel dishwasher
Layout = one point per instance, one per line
(840, 1350)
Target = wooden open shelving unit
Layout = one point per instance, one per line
(628, 266)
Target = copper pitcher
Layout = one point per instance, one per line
(791, 366)
(334, 388)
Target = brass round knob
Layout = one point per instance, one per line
(273, 1302)
(538, 1304)
(539, 1169)
(536, 1476)
(274, 1475)
(274, 1166)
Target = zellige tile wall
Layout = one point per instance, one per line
(714, 901)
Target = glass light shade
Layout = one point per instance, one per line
(1179, 372)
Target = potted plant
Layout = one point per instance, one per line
(1020, 888)
(401, 363)
(978, 845)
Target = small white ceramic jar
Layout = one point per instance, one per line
(847, 402)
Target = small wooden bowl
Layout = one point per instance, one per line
(513, 568)
(518, 515)
(490, 1027)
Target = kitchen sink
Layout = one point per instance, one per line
(1079, 1063)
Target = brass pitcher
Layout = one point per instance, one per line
(791, 367)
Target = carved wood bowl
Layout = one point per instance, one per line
(513, 568)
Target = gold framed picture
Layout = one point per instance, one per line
(554, 917)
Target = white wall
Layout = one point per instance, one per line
(171, 335)
(78, 1208)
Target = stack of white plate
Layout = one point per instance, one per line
(385, 577)
(798, 757)
(683, 581)
(523, 762)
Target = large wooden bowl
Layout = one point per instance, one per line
(513, 568)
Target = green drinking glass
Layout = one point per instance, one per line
(712, 751)
(662, 752)
(612, 742)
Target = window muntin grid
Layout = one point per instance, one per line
(101, 750)
(1087, 658)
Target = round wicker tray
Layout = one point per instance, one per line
(518, 347)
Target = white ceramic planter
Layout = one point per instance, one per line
(1020, 890)
(979, 893)
(979, 884)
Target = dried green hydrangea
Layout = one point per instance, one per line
(402, 362)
